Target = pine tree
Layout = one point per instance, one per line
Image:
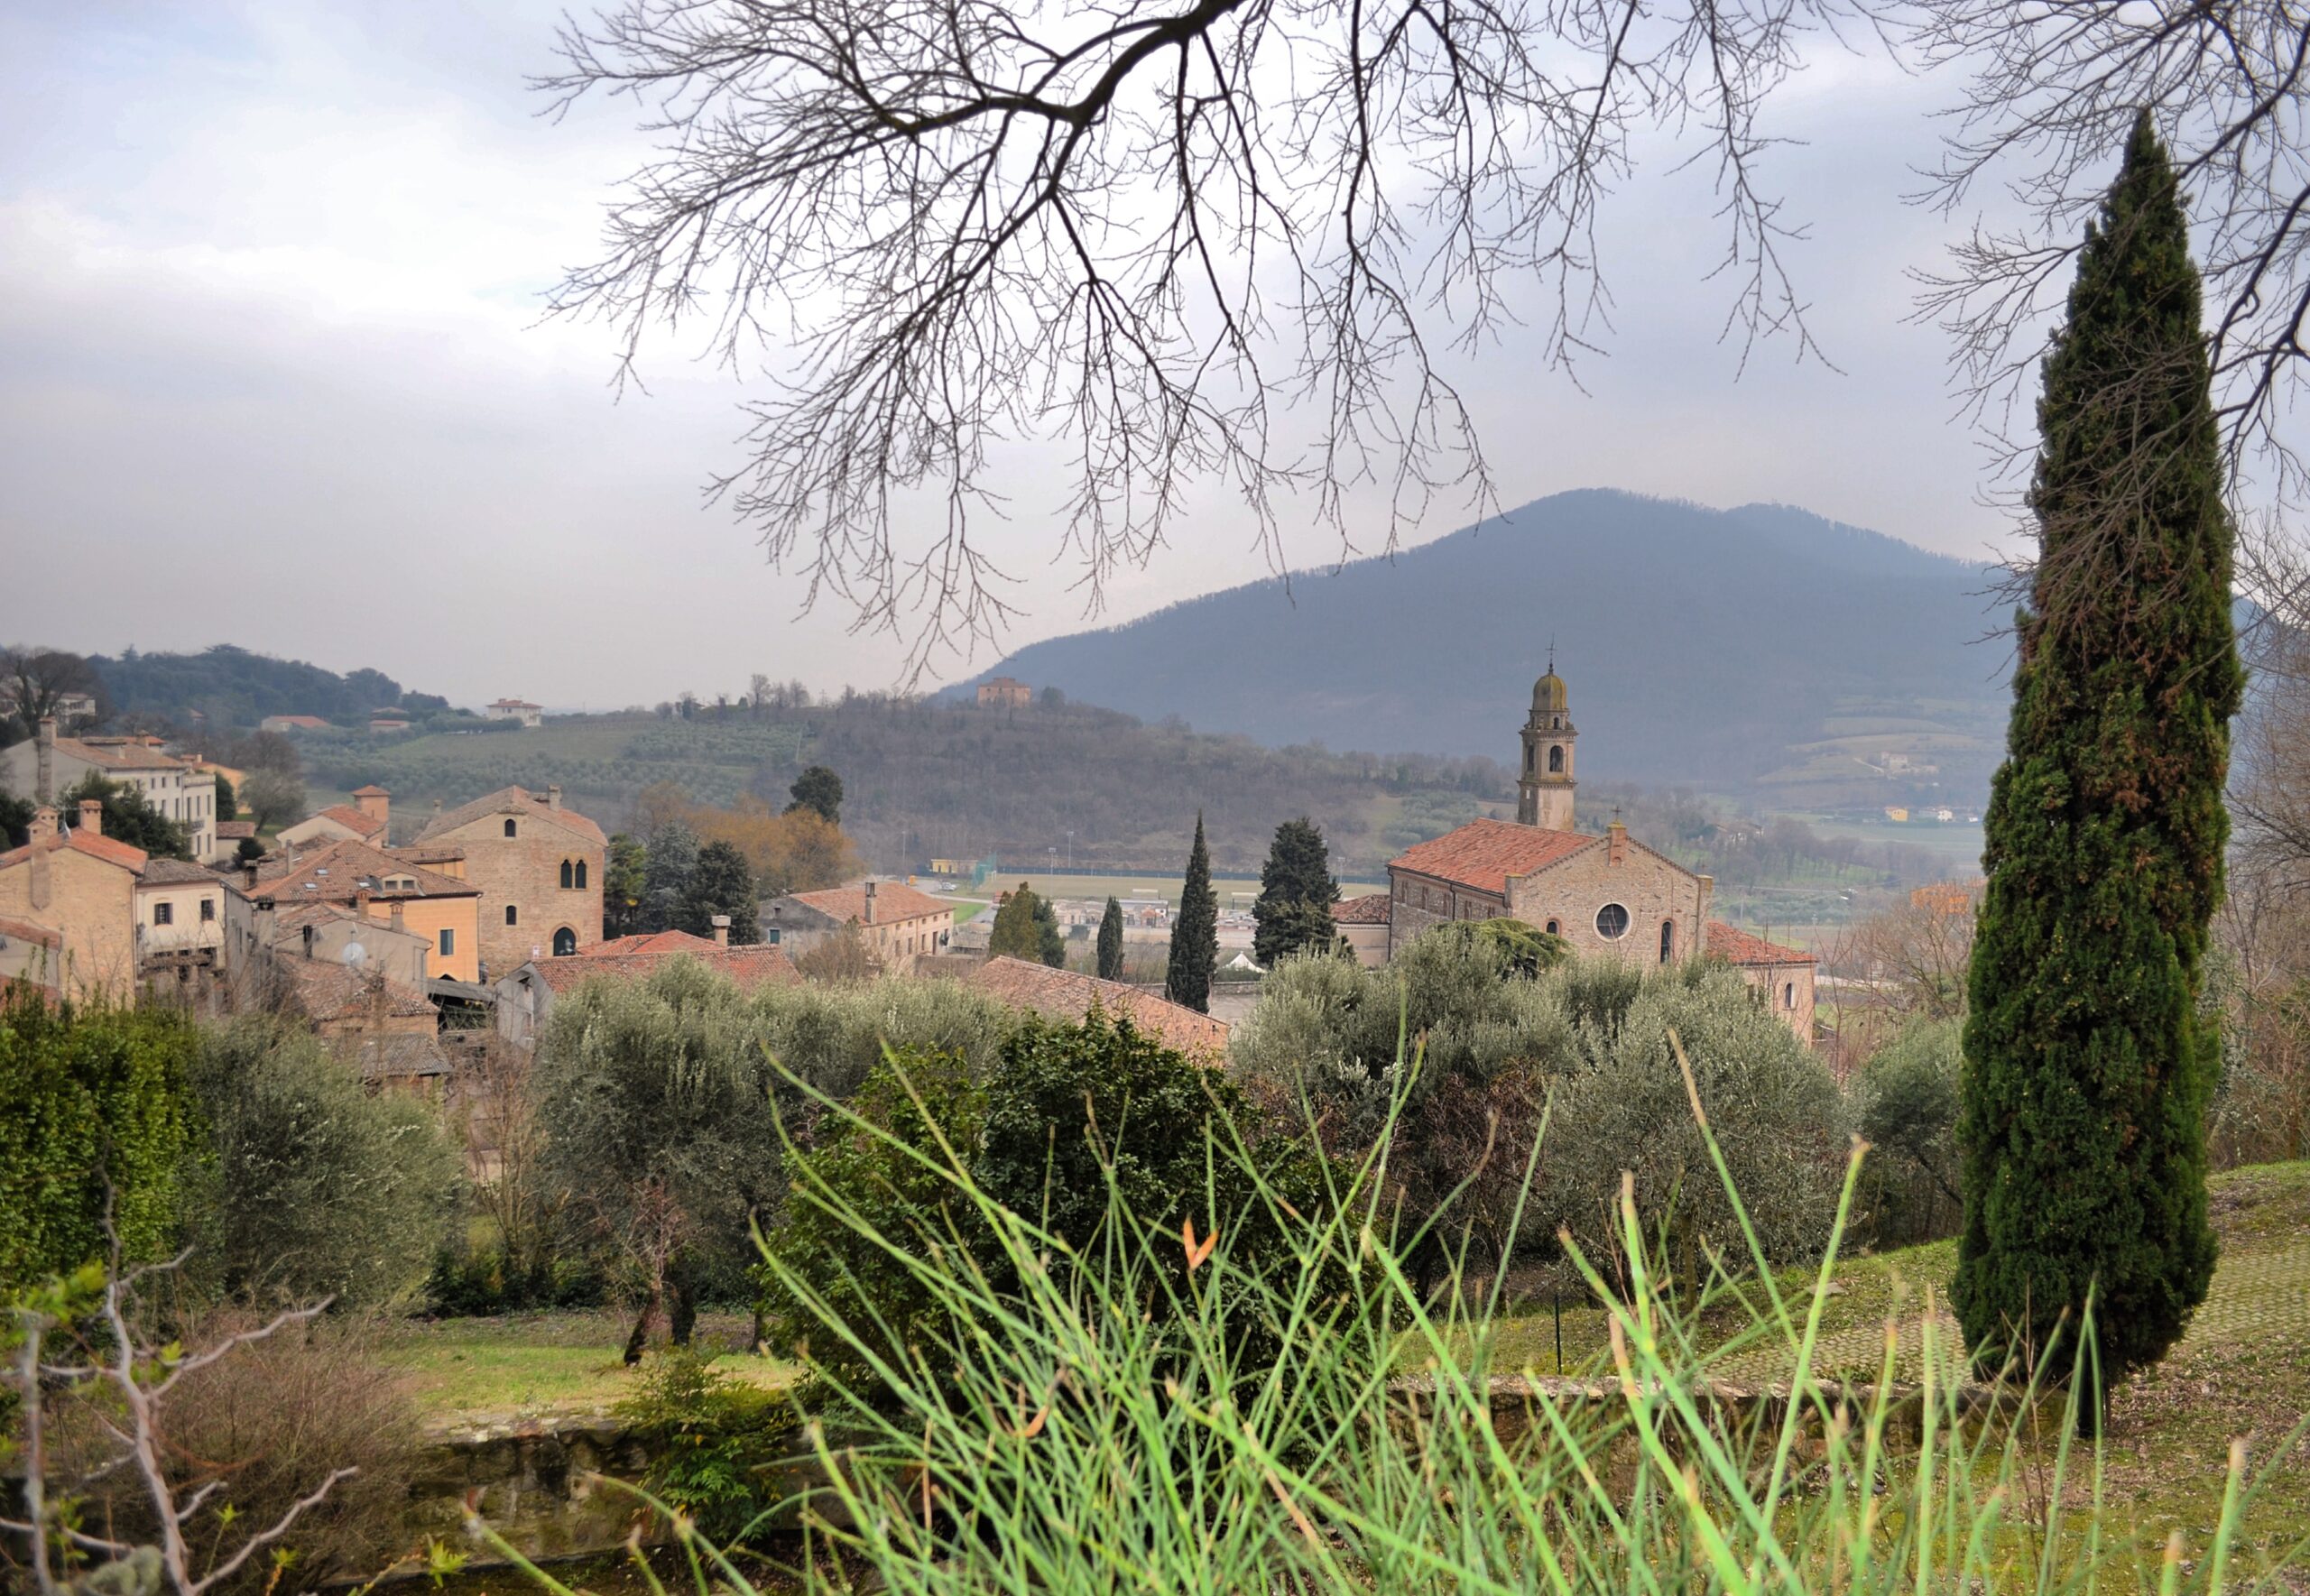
(1195, 932)
(1296, 892)
(819, 790)
(2088, 1061)
(1015, 933)
(720, 884)
(1111, 942)
(671, 856)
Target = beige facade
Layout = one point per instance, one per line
(1005, 692)
(383, 886)
(898, 924)
(49, 765)
(82, 884)
(538, 866)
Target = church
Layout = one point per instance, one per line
(1607, 896)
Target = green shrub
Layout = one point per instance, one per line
(477, 1283)
(1906, 1103)
(716, 1440)
(880, 1160)
(95, 1110)
(319, 1187)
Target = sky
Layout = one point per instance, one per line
(273, 371)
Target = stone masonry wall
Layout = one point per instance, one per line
(94, 905)
(524, 870)
(1651, 888)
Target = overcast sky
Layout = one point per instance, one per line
(271, 372)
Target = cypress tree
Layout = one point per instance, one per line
(1195, 932)
(1297, 892)
(1050, 942)
(1111, 942)
(2088, 1061)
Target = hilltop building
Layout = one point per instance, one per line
(1004, 692)
(516, 709)
(1607, 896)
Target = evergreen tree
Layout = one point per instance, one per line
(129, 817)
(2088, 1060)
(720, 883)
(1016, 934)
(819, 790)
(1195, 932)
(1050, 942)
(671, 856)
(623, 887)
(1111, 942)
(1297, 892)
(228, 805)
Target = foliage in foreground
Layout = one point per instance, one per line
(2091, 1057)
(1058, 1436)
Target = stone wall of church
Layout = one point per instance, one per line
(1421, 902)
(1652, 890)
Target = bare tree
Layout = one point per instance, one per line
(34, 681)
(1149, 229)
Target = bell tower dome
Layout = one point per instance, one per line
(1544, 787)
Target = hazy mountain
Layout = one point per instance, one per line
(1702, 646)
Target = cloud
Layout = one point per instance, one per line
(270, 279)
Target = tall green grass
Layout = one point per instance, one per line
(1093, 1423)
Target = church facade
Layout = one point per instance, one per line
(1607, 895)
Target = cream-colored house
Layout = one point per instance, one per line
(49, 765)
(898, 924)
(363, 820)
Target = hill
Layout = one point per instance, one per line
(226, 685)
(1714, 648)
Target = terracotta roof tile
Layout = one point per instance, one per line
(1063, 995)
(894, 902)
(1743, 947)
(1483, 853)
(1371, 909)
(371, 790)
(335, 873)
(512, 800)
(111, 850)
(126, 755)
(650, 942)
(368, 827)
(169, 872)
(329, 990)
(755, 964)
(233, 831)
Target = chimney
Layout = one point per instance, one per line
(92, 817)
(870, 903)
(44, 822)
(1616, 842)
(400, 914)
(361, 901)
(552, 796)
(721, 930)
(44, 780)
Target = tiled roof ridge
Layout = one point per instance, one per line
(1730, 943)
(1367, 909)
(1484, 852)
(507, 798)
(893, 901)
(289, 873)
(81, 840)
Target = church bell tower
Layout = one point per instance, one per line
(1544, 789)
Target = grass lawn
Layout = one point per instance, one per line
(548, 1363)
(2243, 1370)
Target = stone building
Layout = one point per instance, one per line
(538, 866)
(1362, 924)
(406, 896)
(898, 924)
(519, 710)
(77, 888)
(1004, 692)
(1608, 896)
(363, 820)
(526, 997)
(180, 791)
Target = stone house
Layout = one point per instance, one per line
(538, 867)
(80, 885)
(30, 952)
(293, 723)
(526, 997)
(390, 1030)
(405, 896)
(331, 933)
(363, 820)
(516, 709)
(1363, 922)
(1004, 692)
(192, 928)
(898, 924)
(1784, 974)
(179, 791)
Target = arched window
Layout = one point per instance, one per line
(1555, 759)
(509, 828)
(1667, 940)
(581, 875)
(565, 875)
(565, 943)
(1789, 995)
(512, 914)
(1528, 759)
(1554, 930)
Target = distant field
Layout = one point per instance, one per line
(1064, 885)
(1961, 843)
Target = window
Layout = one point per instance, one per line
(1528, 759)
(771, 936)
(509, 828)
(567, 874)
(581, 875)
(1667, 940)
(1554, 930)
(1612, 922)
(448, 942)
(512, 914)
(162, 914)
(1789, 995)
(1555, 759)
(565, 943)
(207, 911)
